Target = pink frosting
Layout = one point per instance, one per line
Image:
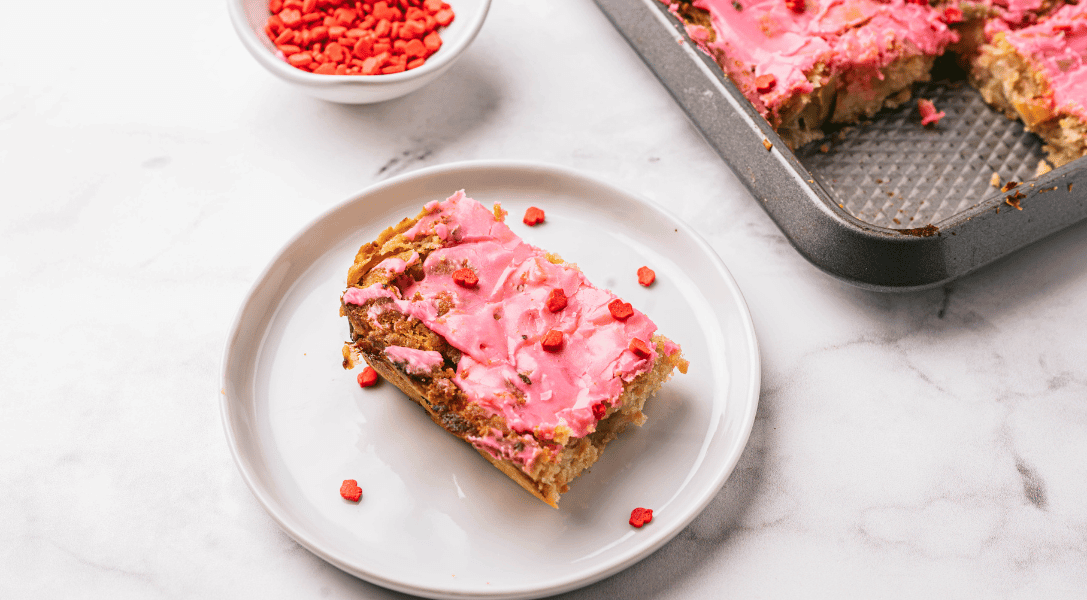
(1057, 46)
(396, 265)
(518, 448)
(1007, 13)
(498, 325)
(764, 37)
(416, 362)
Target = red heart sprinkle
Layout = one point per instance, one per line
(640, 348)
(797, 6)
(533, 216)
(552, 342)
(641, 516)
(556, 300)
(646, 276)
(368, 377)
(620, 310)
(350, 490)
(466, 278)
(765, 83)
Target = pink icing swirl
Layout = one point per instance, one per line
(396, 266)
(520, 449)
(415, 362)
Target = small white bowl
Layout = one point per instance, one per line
(250, 16)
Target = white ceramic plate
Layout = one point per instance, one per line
(435, 518)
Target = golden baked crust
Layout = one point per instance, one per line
(562, 459)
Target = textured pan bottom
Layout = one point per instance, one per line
(893, 172)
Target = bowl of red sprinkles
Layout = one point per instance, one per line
(357, 52)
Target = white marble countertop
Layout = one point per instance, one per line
(930, 444)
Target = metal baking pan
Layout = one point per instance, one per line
(887, 204)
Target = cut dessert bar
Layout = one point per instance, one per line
(507, 347)
(803, 63)
(1039, 74)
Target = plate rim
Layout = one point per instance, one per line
(580, 578)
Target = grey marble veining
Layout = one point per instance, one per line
(931, 444)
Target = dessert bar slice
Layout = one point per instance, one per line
(1039, 74)
(803, 63)
(506, 347)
